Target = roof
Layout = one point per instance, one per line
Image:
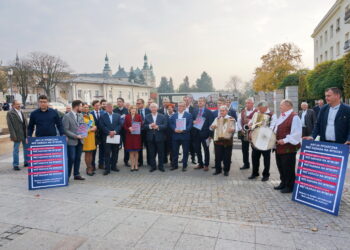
(121, 73)
(328, 16)
(102, 80)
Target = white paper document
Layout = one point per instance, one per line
(113, 140)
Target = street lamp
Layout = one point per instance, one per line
(10, 74)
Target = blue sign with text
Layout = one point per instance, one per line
(47, 158)
(320, 175)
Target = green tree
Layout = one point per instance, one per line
(164, 85)
(204, 83)
(347, 76)
(185, 86)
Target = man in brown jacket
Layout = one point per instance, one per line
(17, 125)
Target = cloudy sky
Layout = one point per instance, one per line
(180, 37)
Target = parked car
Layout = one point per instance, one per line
(59, 106)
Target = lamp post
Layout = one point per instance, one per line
(10, 74)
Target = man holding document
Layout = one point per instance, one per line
(181, 124)
(110, 125)
(155, 127)
(202, 120)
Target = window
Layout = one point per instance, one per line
(331, 53)
(338, 25)
(321, 39)
(120, 94)
(316, 44)
(316, 60)
(326, 55)
(331, 30)
(129, 95)
(321, 58)
(79, 93)
(338, 48)
(110, 95)
(325, 36)
(97, 93)
(347, 36)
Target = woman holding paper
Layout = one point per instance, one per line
(89, 141)
(132, 126)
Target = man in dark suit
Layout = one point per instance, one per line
(201, 134)
(190, 109)
(308, 119)
(122, 111)
(97, 114)
(333, 121)
(180, 136)
(318, 107)
(165, 103)
(17, 125)
(110, 125)
(155, 125)
(140, 103)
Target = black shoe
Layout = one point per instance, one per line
(26, 165)
(252, 177)
(140, 164)
(184, 169)
(106, 173)
(279, 187)
(265, 178)
(115, 169)
(132, 170)
(127, 164)
(16, 168)
(152, 170)
(226, 174)
(136, 169)
(213, 167)
(194, 162)
(79, 178)
(161, 170)
(286, 190)
(173, 168)
(244, 167)
(216, 173)
(90, 174)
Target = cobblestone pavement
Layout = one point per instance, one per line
(171, 210)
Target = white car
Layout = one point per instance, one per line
(59, 106)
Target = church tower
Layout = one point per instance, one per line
(107, 71)
(147, 72)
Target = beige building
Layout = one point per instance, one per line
(331, 36)
(88, 89)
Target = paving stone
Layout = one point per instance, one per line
(229, 245)
(274, 237)
(203, 227)
(237, 232)
(195, 242)
(158, 239)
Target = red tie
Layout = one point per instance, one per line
(283, 114)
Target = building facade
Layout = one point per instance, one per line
(331, 36)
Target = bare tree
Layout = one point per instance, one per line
(3, 81)
(23, 77)
(234, 84)
(49, 70)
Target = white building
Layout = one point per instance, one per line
(331, 36)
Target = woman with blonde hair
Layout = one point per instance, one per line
(89, 141)
(132, 127)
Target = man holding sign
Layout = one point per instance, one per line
(110, 125)
(181, 124)
(203, 118)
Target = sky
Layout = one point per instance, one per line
(181, 37)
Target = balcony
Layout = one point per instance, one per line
(347, 45)
(347, 16)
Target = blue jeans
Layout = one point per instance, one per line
(16, 153)
(74, 157)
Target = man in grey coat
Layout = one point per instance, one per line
(71, 122)
(17, 125)
(308, 119)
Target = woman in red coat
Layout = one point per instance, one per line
(132, 126)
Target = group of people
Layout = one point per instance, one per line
(162, 131)
(330, 122)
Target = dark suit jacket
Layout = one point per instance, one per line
(316, 109)
(209, 118)
(158, 134)
(17, 127)
(106, 125)
(97, 121)
(147, 111)
(121, 112)
(185, 135)
(341, 124)
(161, 110)
(310, 120)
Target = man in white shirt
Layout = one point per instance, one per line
(288, 131)
(243, 119)
(262, 118)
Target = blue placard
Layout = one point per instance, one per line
(47, 158)
(320, 175)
